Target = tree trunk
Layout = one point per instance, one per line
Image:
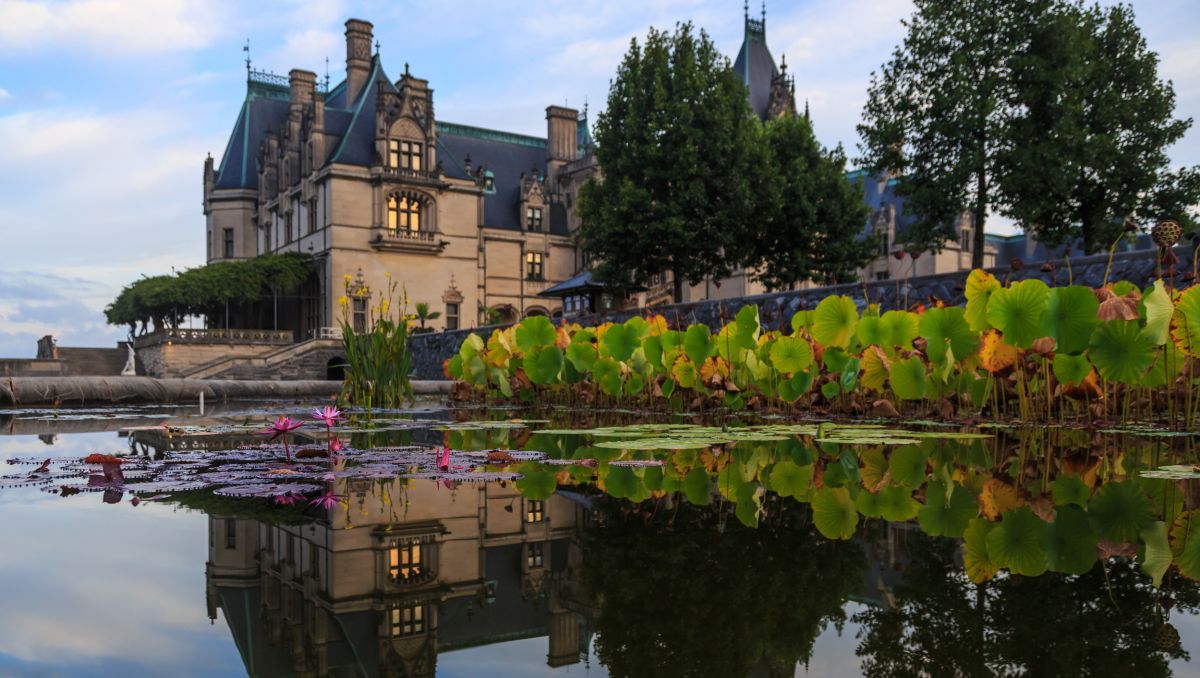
(980, 216)
(677, 283)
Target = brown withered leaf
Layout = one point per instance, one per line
(997, 497)
(1113, 307)
(1109, 549)
(883, 408)
(1043, 507)
(1042, 346)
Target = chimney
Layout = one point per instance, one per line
(358, 56)
(301, 85)
(562, 144)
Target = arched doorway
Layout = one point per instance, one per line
(536, 310)
(335, 369)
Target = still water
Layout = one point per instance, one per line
(594, 568)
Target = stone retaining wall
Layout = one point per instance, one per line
(429, 351)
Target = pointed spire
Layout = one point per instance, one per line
(746, 9)
(246, 49)
(764, 12)
(806, 116)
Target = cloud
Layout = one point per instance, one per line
(4, 95)
(109, 27)
(34, 304)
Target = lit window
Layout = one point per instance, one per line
(533, 557)
(228, 235)
(533, 265)
(451, 316)
(408, 620)
(535, 511)
(406, 562)
(404, 155)
(404, 213)
(533, 218)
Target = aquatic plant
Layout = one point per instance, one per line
(377, 361)
(281, 429)
(1021, 350)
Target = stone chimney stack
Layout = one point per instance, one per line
(562, 146)
(301, 85)
(358, 56)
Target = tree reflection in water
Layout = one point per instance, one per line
(1095, 624)
(689, 591)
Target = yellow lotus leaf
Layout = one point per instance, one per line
(658, 325)
(874, 469)
(875, 366)
(998, 497)
(715, 367)
(995, 354)
(563, 338)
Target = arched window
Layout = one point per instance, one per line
(404, 213)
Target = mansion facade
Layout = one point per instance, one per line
(478, 223)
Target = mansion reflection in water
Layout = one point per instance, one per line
(403, 573)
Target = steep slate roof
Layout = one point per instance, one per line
(357, 147)
(262, 110)
(756, 66)
(879, 194)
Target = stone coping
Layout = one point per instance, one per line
(219, 336)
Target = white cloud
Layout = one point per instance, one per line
(307, 49)
(4, 95)
(113, 27)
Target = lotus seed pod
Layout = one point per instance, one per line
(1166, 233)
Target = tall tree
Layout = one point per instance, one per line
(813, 217)
(1085, 148)
(935, 113)
(677, 145)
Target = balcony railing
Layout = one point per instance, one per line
(219, 336)
(327, 333)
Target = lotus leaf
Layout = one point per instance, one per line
(900, 327)
(606, 372)
(908, 378)
(942, 517)
(1159, 311)
(1017, 311)
(791, 389)
(618, 342)
(1120, 511)
(623, 483)
(1070, 542)
(979, 289)
(946, 328)
(697, 343)
(1156, 554)
(1185, 543)
(652, 348)
(871, 331)
(1185, 322)
(1071, 369)
(1120, 351)
(748, 504)
(543, 364)
(907, 466)
(791, 354)
(581, 355)
(1168, 364)
(1070, 490)
(835, 321)
(875, 366)
(537, 481)
(789, 479)
(1017, 543)
(834, 513)
(1070, 317)
(535, 331)
(746, 323)
(697, 486)
(979, 566)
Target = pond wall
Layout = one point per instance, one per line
(27, 391)
(429, 351)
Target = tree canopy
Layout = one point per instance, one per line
(1046, 111)
(679, 150)
(205, 290)
(812, 216)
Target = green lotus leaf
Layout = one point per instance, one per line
(871, 331)
(475, 371)
(1159, 311)
(802, 320)
(638, 328)
(979, 566)
(1185, 543)
(979, 289)
(791, 389)
(1120, 351)
(536, 330)
(472, 346)
(606, 373)
(908, 378)
(900, 327)
(1070, 542)
(834, 513)
(623, 483)
(454, 366)
(1185, 322)
(697, 342)
(1017, 311)
(746, 324)
(537, 481)
(1120, 511)
(697, 486)
(789, 479)
(499, 379)
(1156, 554)
(582, 356)
(1071, 369)
(942, 517)
(634, 384)
(943, 327)
(907, 466)
(618, 342)
(1070, 490)
(869, 504)
(835, 321)
(897, 504)
(1168, 364)
(747, 504)
(1017, 543)
(791, 354)
(652, 348)
(1070, 317)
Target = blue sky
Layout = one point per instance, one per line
(108, 107)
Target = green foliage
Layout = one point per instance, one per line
(681, 153)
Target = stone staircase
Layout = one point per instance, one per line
(305, 360)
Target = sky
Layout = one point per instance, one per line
(108, 107)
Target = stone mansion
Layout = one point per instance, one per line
(477, 223)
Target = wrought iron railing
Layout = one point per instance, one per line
(276, 80)
(404, 234)
(327, 333)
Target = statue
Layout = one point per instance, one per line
(130, 368)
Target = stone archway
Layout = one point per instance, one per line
(335, 369)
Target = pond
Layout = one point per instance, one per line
(464, 542)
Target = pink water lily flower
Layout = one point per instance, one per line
(280, 429)
(444, 459)
(285, 499)
(327, 500)
(327, 414)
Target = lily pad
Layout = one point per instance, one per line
(1120, 511)
(1017, 543)
(834, 513)
(1070, 542)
